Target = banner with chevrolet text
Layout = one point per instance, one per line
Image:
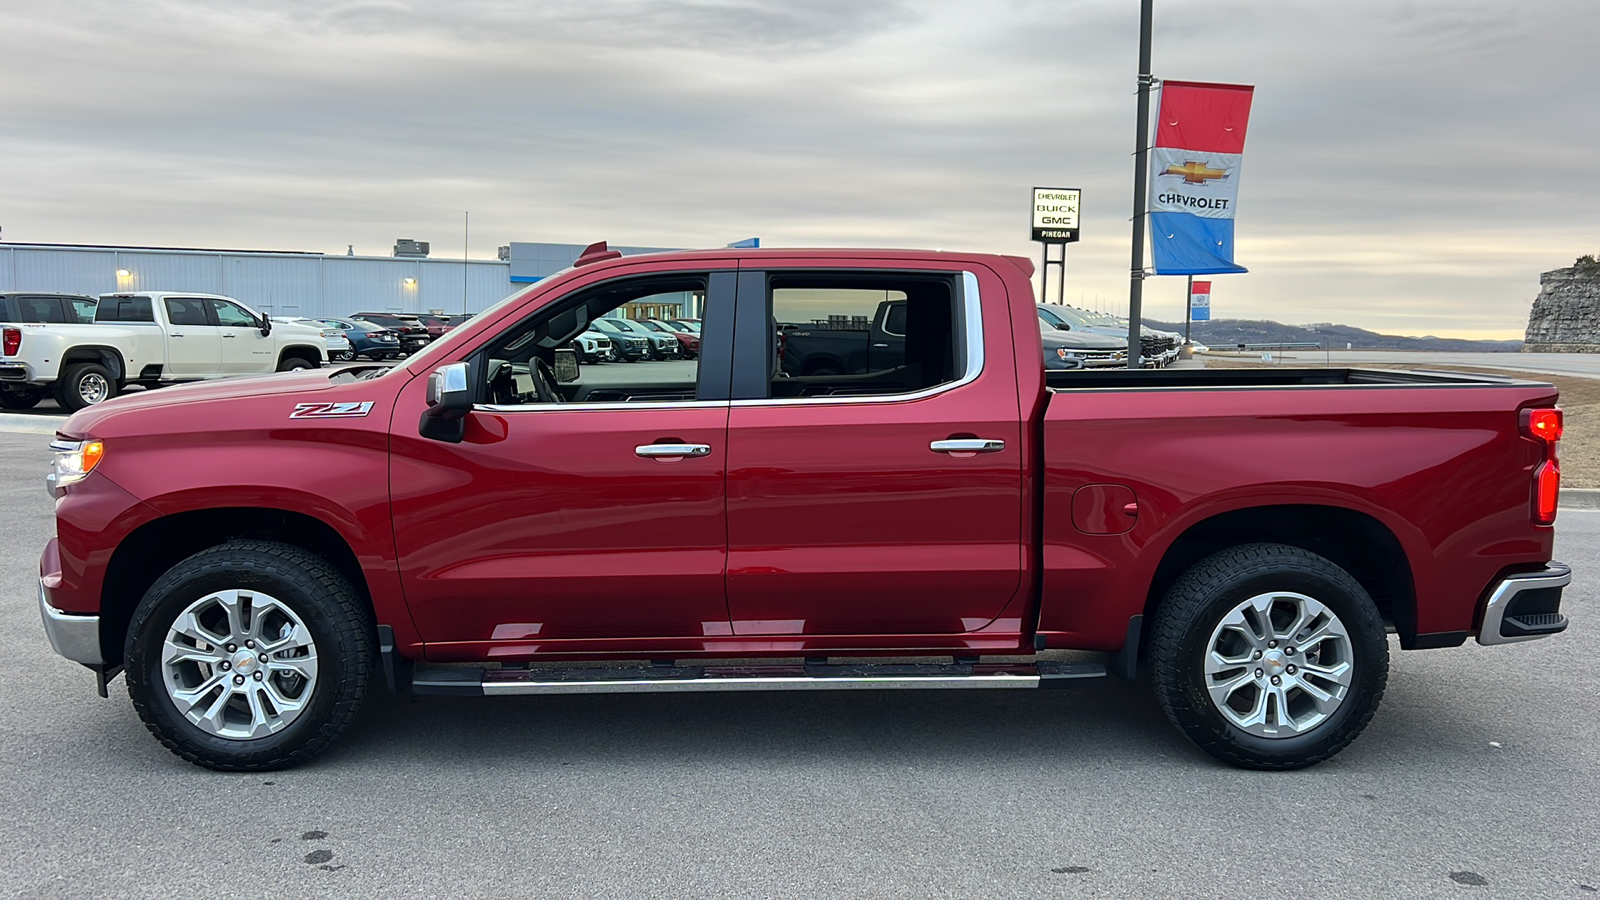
(1194, 176)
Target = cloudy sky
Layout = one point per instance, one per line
(1412, 165)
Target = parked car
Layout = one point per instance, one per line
(435, 324)
(626, 344)
(452, 321)
(685, 324)
(257, 555)
(413, 334)
(40, 307)
(1081, 350)
(1158, 348)
(593, 347)
(36, 307)
(150, 338)
(338, 345)
(662, 344)
(366, 339)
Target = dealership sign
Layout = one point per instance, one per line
(1200, 302)
(1055, 215)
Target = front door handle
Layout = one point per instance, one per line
(967, 445)
(227, 334)
(175, 334)
(671, 451)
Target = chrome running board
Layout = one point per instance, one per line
(475, 682)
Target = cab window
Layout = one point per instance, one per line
(617, 363)
(230, 315)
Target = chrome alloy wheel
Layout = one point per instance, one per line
(93, 388)
(1279, 664)
(239, 664)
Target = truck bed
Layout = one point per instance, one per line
(1109, 379)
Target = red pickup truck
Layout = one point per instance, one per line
(488, 519)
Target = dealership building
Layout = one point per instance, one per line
(286, 283)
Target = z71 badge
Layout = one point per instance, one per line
(350, 410)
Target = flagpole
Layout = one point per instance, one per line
(1188, 304)
(1140, 173)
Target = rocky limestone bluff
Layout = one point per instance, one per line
(1566, 315)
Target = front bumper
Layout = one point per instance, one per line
(1525, 607)
(75, 637)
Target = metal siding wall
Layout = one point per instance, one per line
(75, 272)
(200, 272)
(352, 284)
(284, 286)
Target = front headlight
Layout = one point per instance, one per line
(73, 461)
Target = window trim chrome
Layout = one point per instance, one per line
(969, 348)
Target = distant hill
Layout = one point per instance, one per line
(1224, 332)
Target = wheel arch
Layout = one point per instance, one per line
(1351, 539)
(156, 546)
(107, 356)
(300, 351)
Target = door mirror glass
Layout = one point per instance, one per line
(266, 325)
(566, 365)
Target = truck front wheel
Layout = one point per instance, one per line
(1269, 656)
(249, 656)
(83, 385)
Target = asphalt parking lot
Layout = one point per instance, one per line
(1479, 777)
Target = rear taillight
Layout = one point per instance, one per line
(1544, 425)
(13, 341)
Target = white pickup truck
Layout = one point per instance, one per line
(149, 338)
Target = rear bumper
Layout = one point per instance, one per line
(75, 637)
(16, 371)
(1525, 607)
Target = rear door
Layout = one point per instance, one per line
(888, 501)
(194, 344)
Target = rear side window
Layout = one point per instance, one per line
(186, 311)
(41, 309)
(124, 309)
(861, 335)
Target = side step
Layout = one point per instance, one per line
(477, 682)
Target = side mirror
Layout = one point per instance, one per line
(266, 324)
(449, 400)
(566, 365)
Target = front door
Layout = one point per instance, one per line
(194, 344)
(596, 513)
(245, 350)
(880, 501)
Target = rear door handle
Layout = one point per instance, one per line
(671, 451)
(967, 445)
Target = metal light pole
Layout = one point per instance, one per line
(1140, 174)
(1188, 308)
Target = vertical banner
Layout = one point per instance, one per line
(1194, 176)
(1200, 302)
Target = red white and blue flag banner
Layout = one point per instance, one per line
(1194, 176)
(1200, 302)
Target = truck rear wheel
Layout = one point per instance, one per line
(83, 385)
(1269, 656)
(249, 656)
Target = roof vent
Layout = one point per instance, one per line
(596, 252)
(406, 247)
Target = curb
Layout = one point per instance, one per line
(1579, 498)
(16, 423)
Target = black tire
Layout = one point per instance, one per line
(338, 620)
(1180, 642)
(295, 364)
(344, 356)
(83, 385)
(20, 399)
